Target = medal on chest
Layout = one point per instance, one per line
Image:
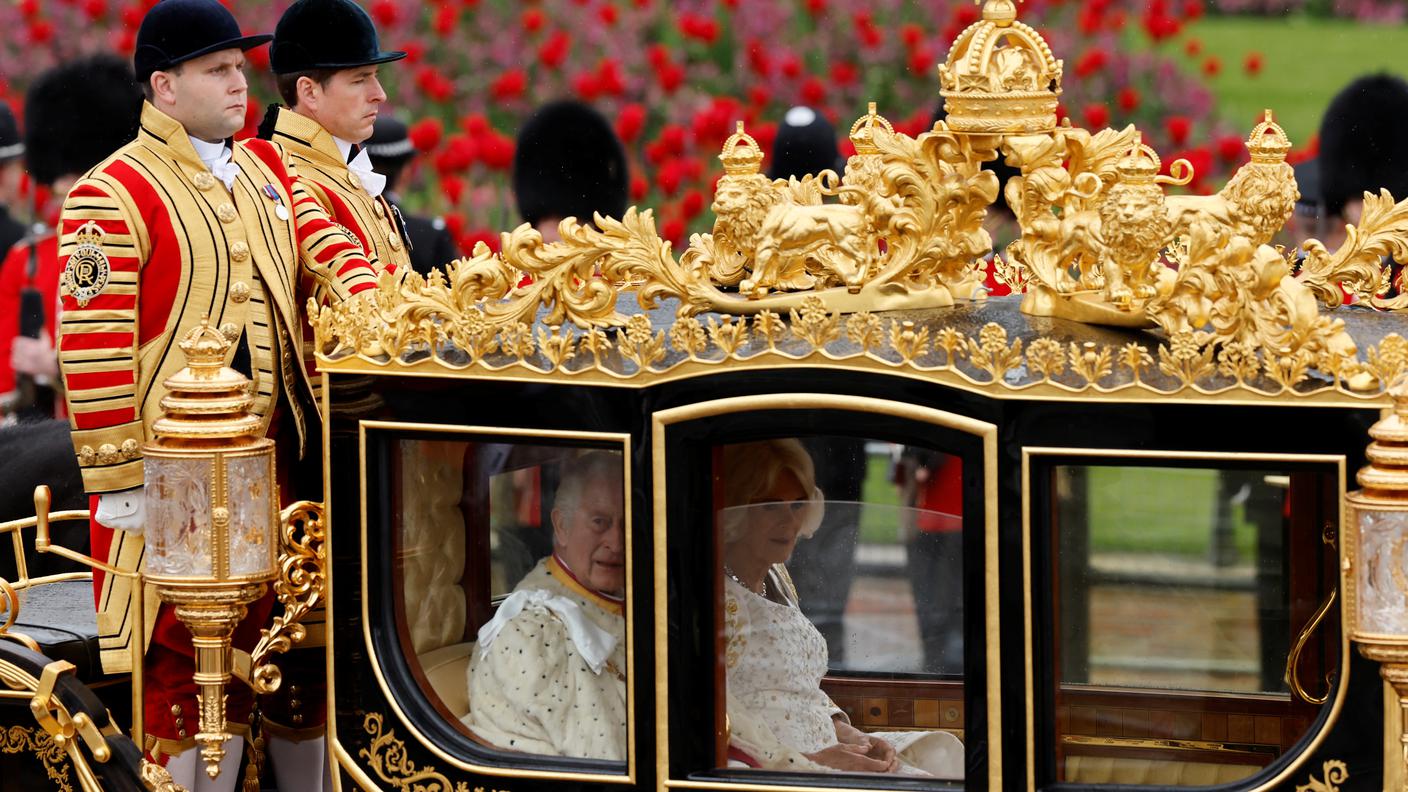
(280, 209)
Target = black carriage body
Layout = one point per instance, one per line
(387, 732)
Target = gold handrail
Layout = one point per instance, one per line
(1293, 659)
(42, 543)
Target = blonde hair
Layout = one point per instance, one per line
(750, 470)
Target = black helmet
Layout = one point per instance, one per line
(805, 143)
(175, 31)
(326, 34)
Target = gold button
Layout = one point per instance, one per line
(176, 710)
(239, 292)
(230, 332)
(204, 181)
(181, 733)
(353, 180)
(227, 213)
(395, 240)
(239, 250)
(380, 210)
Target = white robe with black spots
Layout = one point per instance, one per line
(531, 691)
(776, 659)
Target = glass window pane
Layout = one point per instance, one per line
(821, 542)
(512, 574)
(1181, 591)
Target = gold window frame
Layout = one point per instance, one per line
(339, 753)
(1153, 457)
(987, 432)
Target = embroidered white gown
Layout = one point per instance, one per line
(776, 659)
(532, 690)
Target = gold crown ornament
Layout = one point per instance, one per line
(1000, 76)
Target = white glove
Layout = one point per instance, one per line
(123, 511)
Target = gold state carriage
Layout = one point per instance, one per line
(1157, 344)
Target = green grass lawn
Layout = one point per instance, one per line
(1306, 62)
(1159, 511)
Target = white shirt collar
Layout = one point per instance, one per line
(210, 153)
(343, 146)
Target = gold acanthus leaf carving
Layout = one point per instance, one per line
(387, 757)
(1358, 265)
(299, 588)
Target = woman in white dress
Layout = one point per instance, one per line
(779, 718)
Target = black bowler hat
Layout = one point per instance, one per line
(326, 34)
(11, 145)
(175, 31)
(568, 162)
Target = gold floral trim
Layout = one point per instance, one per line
(18, 739)
(1190, 363)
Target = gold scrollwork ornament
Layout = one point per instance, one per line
(1334, 773)
(387, 757)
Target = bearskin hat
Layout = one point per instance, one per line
(568, 162)
(1364, 142)
(78, 113)
(805, 143)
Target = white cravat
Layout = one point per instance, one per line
(217, 157)
(593, 643)
(361, 165)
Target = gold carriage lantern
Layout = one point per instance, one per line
(1376, 564)
(212, 516)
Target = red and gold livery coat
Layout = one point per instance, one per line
(151, 243)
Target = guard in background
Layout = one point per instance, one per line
(177, 226)
(101, 90)
(568, 162)
(12, 229)
(391, 151)
(325, 56)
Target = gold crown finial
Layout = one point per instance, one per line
(1142, 164)
(741, 154)
(1268, 142)
(207, 401)
(999, 12)
(863, 131)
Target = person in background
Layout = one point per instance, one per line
(568, 162)
(391, 151)
(932, 483)
(12, 229)
(823, 568)
(1363, 148)
(103, 91)
(805, 144)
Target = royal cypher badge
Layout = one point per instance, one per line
(88, 268)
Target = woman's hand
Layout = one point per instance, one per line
(852, 759)
(875, 747)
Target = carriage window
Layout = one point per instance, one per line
(1188, 599)
(841, 623)
(511, 565)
